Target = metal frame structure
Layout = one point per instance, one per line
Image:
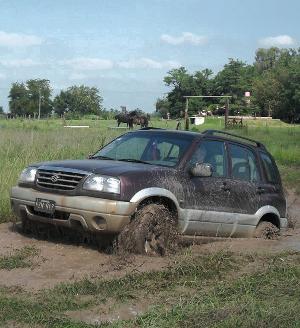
(186, 117)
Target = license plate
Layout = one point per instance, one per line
(44, 206)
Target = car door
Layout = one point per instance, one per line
(207, 198)
(244, 188)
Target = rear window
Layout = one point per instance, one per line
(270, 168)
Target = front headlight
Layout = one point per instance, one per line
(102, 183)
(28, 175)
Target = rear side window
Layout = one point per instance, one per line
(243, 164)
(270, 169)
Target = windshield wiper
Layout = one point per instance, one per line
(133, 160)
(102, 157)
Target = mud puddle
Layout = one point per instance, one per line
(60, 262)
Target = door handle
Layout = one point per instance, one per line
(260, 190)
(225, 187)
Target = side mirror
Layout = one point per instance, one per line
(201, 170)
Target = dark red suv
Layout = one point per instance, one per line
(145, 183)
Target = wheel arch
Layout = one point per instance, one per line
(157, 196)
(167, 202)
(268, 213)
(270, 217)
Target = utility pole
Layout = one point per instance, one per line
(39, 103)
(186, 115)
(226, 113)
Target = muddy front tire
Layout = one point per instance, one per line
(266, 230)
(151, 232)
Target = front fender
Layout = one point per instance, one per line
(154, 192)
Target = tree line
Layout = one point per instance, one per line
(273, 81)
(34, 96)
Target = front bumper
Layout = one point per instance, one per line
(90, 213)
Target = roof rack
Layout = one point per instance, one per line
(151, 128)
(215, 132)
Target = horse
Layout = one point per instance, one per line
(131, 118)
(124, 118)
(142, 120)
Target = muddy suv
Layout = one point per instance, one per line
(146, 183)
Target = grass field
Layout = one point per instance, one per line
(222, 289)
(23, 142)
(196, 291)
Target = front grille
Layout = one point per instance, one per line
(59, 180)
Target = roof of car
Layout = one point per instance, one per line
(175, 132)
(224, 135)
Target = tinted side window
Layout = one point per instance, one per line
(243, 164)
(213, 153)
(270, 168)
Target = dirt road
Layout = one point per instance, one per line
(55, 262)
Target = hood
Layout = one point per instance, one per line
(105, 167)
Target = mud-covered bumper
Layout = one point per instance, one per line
(283, 224)
(90, 213)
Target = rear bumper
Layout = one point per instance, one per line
(92, 214)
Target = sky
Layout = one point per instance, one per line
(126, 47)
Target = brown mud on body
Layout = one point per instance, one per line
(288, 241)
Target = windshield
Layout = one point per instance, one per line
(145, 148)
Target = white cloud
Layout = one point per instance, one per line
(88, 64)
(77, 76)
(2, 76)
(18, 40)
(16, 63)
(277, 41)
(148, 63)
(186, 37)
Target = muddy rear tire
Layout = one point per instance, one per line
(152, 232)
(266, 230)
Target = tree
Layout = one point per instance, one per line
(287, 72)
(277, 88)
(61, 103)
(26, 98)
(39, 93)
(182, 84)
(163, 107)
(1, 110)
(234, 80)
(266, 59)
(266, 93)
(185, 84)
(79, 100)
(18, 99)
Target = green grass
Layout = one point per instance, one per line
(23, 142)
(20, 258)
(195, 291)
